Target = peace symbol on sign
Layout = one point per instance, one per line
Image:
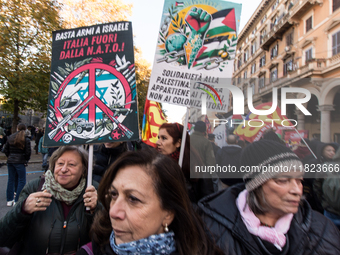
(89, 98)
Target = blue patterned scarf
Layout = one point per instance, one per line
(156, 244)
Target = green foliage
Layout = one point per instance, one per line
(25, 52)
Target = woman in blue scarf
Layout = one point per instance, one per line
(146, 210)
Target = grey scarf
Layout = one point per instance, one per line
(60, 193)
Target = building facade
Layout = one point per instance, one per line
(294, 43)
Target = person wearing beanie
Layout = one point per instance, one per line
(267, 213)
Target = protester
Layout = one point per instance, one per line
(202, 144)
(38, 135)
(44, 152)
(18, 152)
(107, 153)
(146, 210)
(229, 155)
(241, 143)
(205, 150)
(28, 133)
(324, 153)
(268, 215)
(211, 138)
(33, 133)
(50, 217)
(169, 143)
(2, 136)
(327, 189)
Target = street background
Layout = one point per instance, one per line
(33, 171)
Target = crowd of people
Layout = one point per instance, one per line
(144, 200)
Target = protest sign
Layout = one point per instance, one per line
(92, 97)
(197, 43)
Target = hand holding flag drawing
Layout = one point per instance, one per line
(199, 21)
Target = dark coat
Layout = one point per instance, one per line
(310, 233)
(320, 159)
(44, 230)
(327, 186)
(203, 147)
(104, 157)
(215, 148)
(313, 164)
(16, 155)
(229, 155)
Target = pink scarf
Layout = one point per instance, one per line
(275, 235)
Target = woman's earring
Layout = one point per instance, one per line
(166, 228)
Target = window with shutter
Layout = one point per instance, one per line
(336, 5)
(309, 23)
(336, 44)
(309, 55)
(289, 39)
(273, 74)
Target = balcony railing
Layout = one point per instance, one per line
(301, 6)
(335, 59)
(276, 30)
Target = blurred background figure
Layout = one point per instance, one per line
(211, 138)
(18, 152)
(2, 136)
(107, 153)
(327, 189)
(44, 153)
(230, 155)
(38, 135)
(201, 144)
(324, 153)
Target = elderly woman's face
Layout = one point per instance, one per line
(68, 169)
(135, 209)
(165, 143)
(283, 194)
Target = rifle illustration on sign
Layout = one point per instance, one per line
(67, 119)
(92, 96)
(84, 106)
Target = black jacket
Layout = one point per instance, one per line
(313, 164)
(104, 157)
(16, 155)
(230, 155)
(45, 230)
(310, 233)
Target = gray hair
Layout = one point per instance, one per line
(257, 201)
(79, 149)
